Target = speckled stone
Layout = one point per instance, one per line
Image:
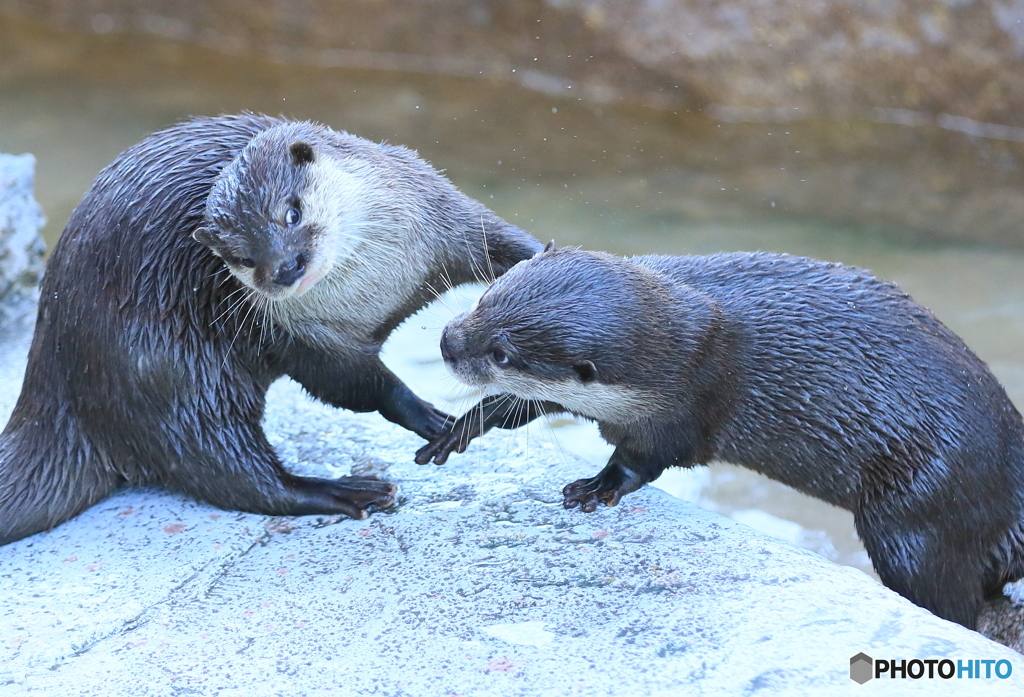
(476, 582)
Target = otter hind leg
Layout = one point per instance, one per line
(43, 484)
(927, 564)
(241, 471)
(1006, 563)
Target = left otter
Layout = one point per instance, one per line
(205, 262)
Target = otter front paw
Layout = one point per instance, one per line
(608, 487)
(587, 493)
(453, 440)
(348, 495)
(438, 423)
(407, 410)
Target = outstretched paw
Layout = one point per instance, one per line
(438, 423)
(453, 440)
(430, 422)
(502, 411)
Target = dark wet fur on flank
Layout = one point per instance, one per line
(816, 374)
(149, 365)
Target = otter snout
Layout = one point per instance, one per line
(461, 353)
(453, 341)
(290, 271)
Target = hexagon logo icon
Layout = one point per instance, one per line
(861, 668)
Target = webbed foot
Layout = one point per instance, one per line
(608, 487)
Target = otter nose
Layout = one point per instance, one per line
(290, 271)
(446, 347)
(453, 341)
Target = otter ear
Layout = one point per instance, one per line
(204, 236)
(302, 152)
(550, 246)
(586, 370)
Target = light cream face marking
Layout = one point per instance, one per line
(367, 259)
(590, 399)
(335, 201)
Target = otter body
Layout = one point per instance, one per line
(204, 263)
(815, 374)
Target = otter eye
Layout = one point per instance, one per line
(586, 370)
(241, 261)
(499, 357)
(292, 216)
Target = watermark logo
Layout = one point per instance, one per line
(863, 668)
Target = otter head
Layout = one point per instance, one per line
(278, 213)
(558, 327)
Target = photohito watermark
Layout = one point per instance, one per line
(863, 668)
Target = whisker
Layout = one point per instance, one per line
(474, 267)
(437, 294)
(256, 300)
(441, 297)
(558, 444)
(487, 253)
(512, 415)
(241, 326)
(240, 289)
(265, 303)
(463, 403)
(233, 304)
(480, 415)
(448, 282)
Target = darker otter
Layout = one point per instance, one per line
(815, 374)
(204, 263)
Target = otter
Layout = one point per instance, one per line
(205, 262)
(815, 374)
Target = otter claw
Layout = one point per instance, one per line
(363, 491)
(440, 448)
(587, 493)
(454, 439)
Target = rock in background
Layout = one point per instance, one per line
(905, 115)
(21, 247)
(820, 59)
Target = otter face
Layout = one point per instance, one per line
(542, 331)
(276, 261)
(277, 214)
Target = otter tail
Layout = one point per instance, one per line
(1007, 560)
(1006, 563)
(47, 476)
